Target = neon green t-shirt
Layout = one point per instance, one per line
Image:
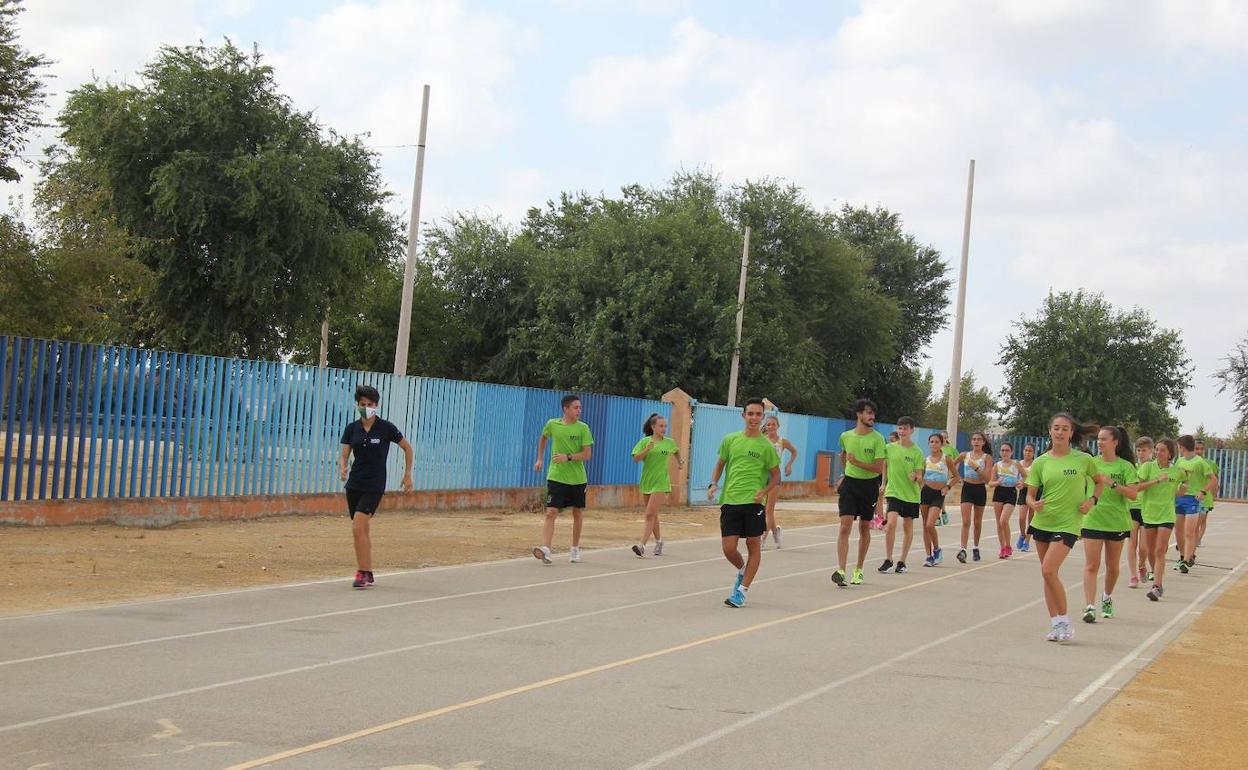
(1065, 481)
(1197, 470)
(748, 461)
(1214, 470)
(655, 474)
(901, 462)
(949, 451)
(564, 440)
(1113, 512)
(1159, 499)
(868, 448)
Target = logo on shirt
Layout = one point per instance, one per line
(374, 441)
(1069, 472)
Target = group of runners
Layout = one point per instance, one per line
(1127, 495)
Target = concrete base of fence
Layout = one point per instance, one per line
(164, 511)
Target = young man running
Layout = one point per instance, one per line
(369, 439)
(753, 472)
(1189, 504)
(1208, 500)
(571, 447)
(903, 471)
(862, 455)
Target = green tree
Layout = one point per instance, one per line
(252, 218)
(1082, 355)
(915, 276)
(977, 407)
(1234, 377)
(21, 91)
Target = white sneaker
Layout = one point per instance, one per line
(542, 554)
(779, 538)
(574, 554)
(658, 547)
(1054, 634)
(1065, 632)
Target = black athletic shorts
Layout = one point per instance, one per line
(1137, 516)
(1021, 498)
(1045, 536)
(1100, 534)
(931, 498)
(744, 520)
(359, 501)
(858, 497)
(560, 495)
(1167, 525)
(902, 508)
(975, 494)
(1007, 495)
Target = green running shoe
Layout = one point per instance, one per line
(1107, 607)
(1089, 615)
(856, 580)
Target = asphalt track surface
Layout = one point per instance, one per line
(615, 662)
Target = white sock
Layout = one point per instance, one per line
(745, 589)
(741, 571)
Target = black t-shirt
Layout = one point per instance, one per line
(371, 448)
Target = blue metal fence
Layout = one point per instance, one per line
(98, 421)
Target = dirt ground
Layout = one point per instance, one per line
(1187, 709)
(54, 567)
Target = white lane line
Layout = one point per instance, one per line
(371, 608)
(382, 653)
(1033, 738)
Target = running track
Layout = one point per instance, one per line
(612, 663)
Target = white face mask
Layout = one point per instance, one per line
(367, 412)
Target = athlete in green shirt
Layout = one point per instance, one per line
(862, 455)
(571, 447)
(1108, 525)
(1210, 496)
(1063, 472)
(654, 451)
(903, 473)
(1189, 504)
(753, 472)
(1160, 480)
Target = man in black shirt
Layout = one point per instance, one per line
(369, 438)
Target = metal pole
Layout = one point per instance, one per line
(325, 343)
(409, 271)
(955, 377)
(736, 350)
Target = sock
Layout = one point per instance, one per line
(1064, 618)
(745, 589)
(741, 571)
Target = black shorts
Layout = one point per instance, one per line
(857, 497)
(1100, 534)
(359, 501)
(902, 508)
(560, 495)
(975, 494)
(1137, 516)
(1007, 495)
(1021, 497)
(744, 520)
(1045, 536)
(929, 498)
(1167, 525)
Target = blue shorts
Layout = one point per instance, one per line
(1186, 505)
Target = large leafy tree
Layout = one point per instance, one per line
(21, 91)
(252, 218)
(977, 408)
(1234, 377)
(1081, 354)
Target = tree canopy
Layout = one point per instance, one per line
(977, 408)
(1234, 377)
(21, 91)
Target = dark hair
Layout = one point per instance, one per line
(894, 436)
(936, 435)
(987, 443)
(369, 392)
(1187, 442)
(863, 404)
(905, 421)
(1169, 444)
(1079, 430)
(1200, 441)
(754, 400)
(568, 400)
(648, 427)
(1124, 442)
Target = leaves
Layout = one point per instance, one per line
(1234, 377)
(22, 91)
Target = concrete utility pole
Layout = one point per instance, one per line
(325, 343)
(736, 351)
(955, 377)
(413, 226)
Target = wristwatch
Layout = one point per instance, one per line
(1113, 485)
(1095, 500)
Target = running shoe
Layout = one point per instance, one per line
(1002, 554)
(369, 572)
(939, 555)
(1008, 552)
(1054, 634)
(886, 566)
(361, 579)
(856, 580)
(1026, 546)
(1149, 578)
(944, 517)
(1107, 607)
(975, 554)
(1182, 567)
(930, 561)
(1065, 632)
(1134, 582)
(901, 567)
(779, 538)
(962, 556)
(639, 550)
(1191, 562)
(1021, 543)
(838, 577)
(736, 584)
(736, 598)
(574, 554)
(1155, 593)
(1089, 614)
(542, 554)
(658, 547)
(1143, 572)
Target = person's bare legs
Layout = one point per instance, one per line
(578, 520)
(1133, 551)
(930, 536)
(842, 541)
(1004, 512)
(754, 547)
(1201, 524)
(730, 551)
(1190, 524)
(907, 528)
(890, 534)
(654, 502)
(1180, 537)
(864, 541)
(979, 525)
(1160, 547)
(1051, 557)
(363, 541)
(771, 514)
(1091, 567)
(548, 527)
(966, 524)
(1113, 565)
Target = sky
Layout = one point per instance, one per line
(1107, 134)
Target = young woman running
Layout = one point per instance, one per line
(1108, 524)
(1024, 509)
(653, 452)
(1137, 557)
(771, 429)
(938, 469)
(975, 467)
(1191, 502)
(1160, 481)
(1064, 472)
(1007, 477)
